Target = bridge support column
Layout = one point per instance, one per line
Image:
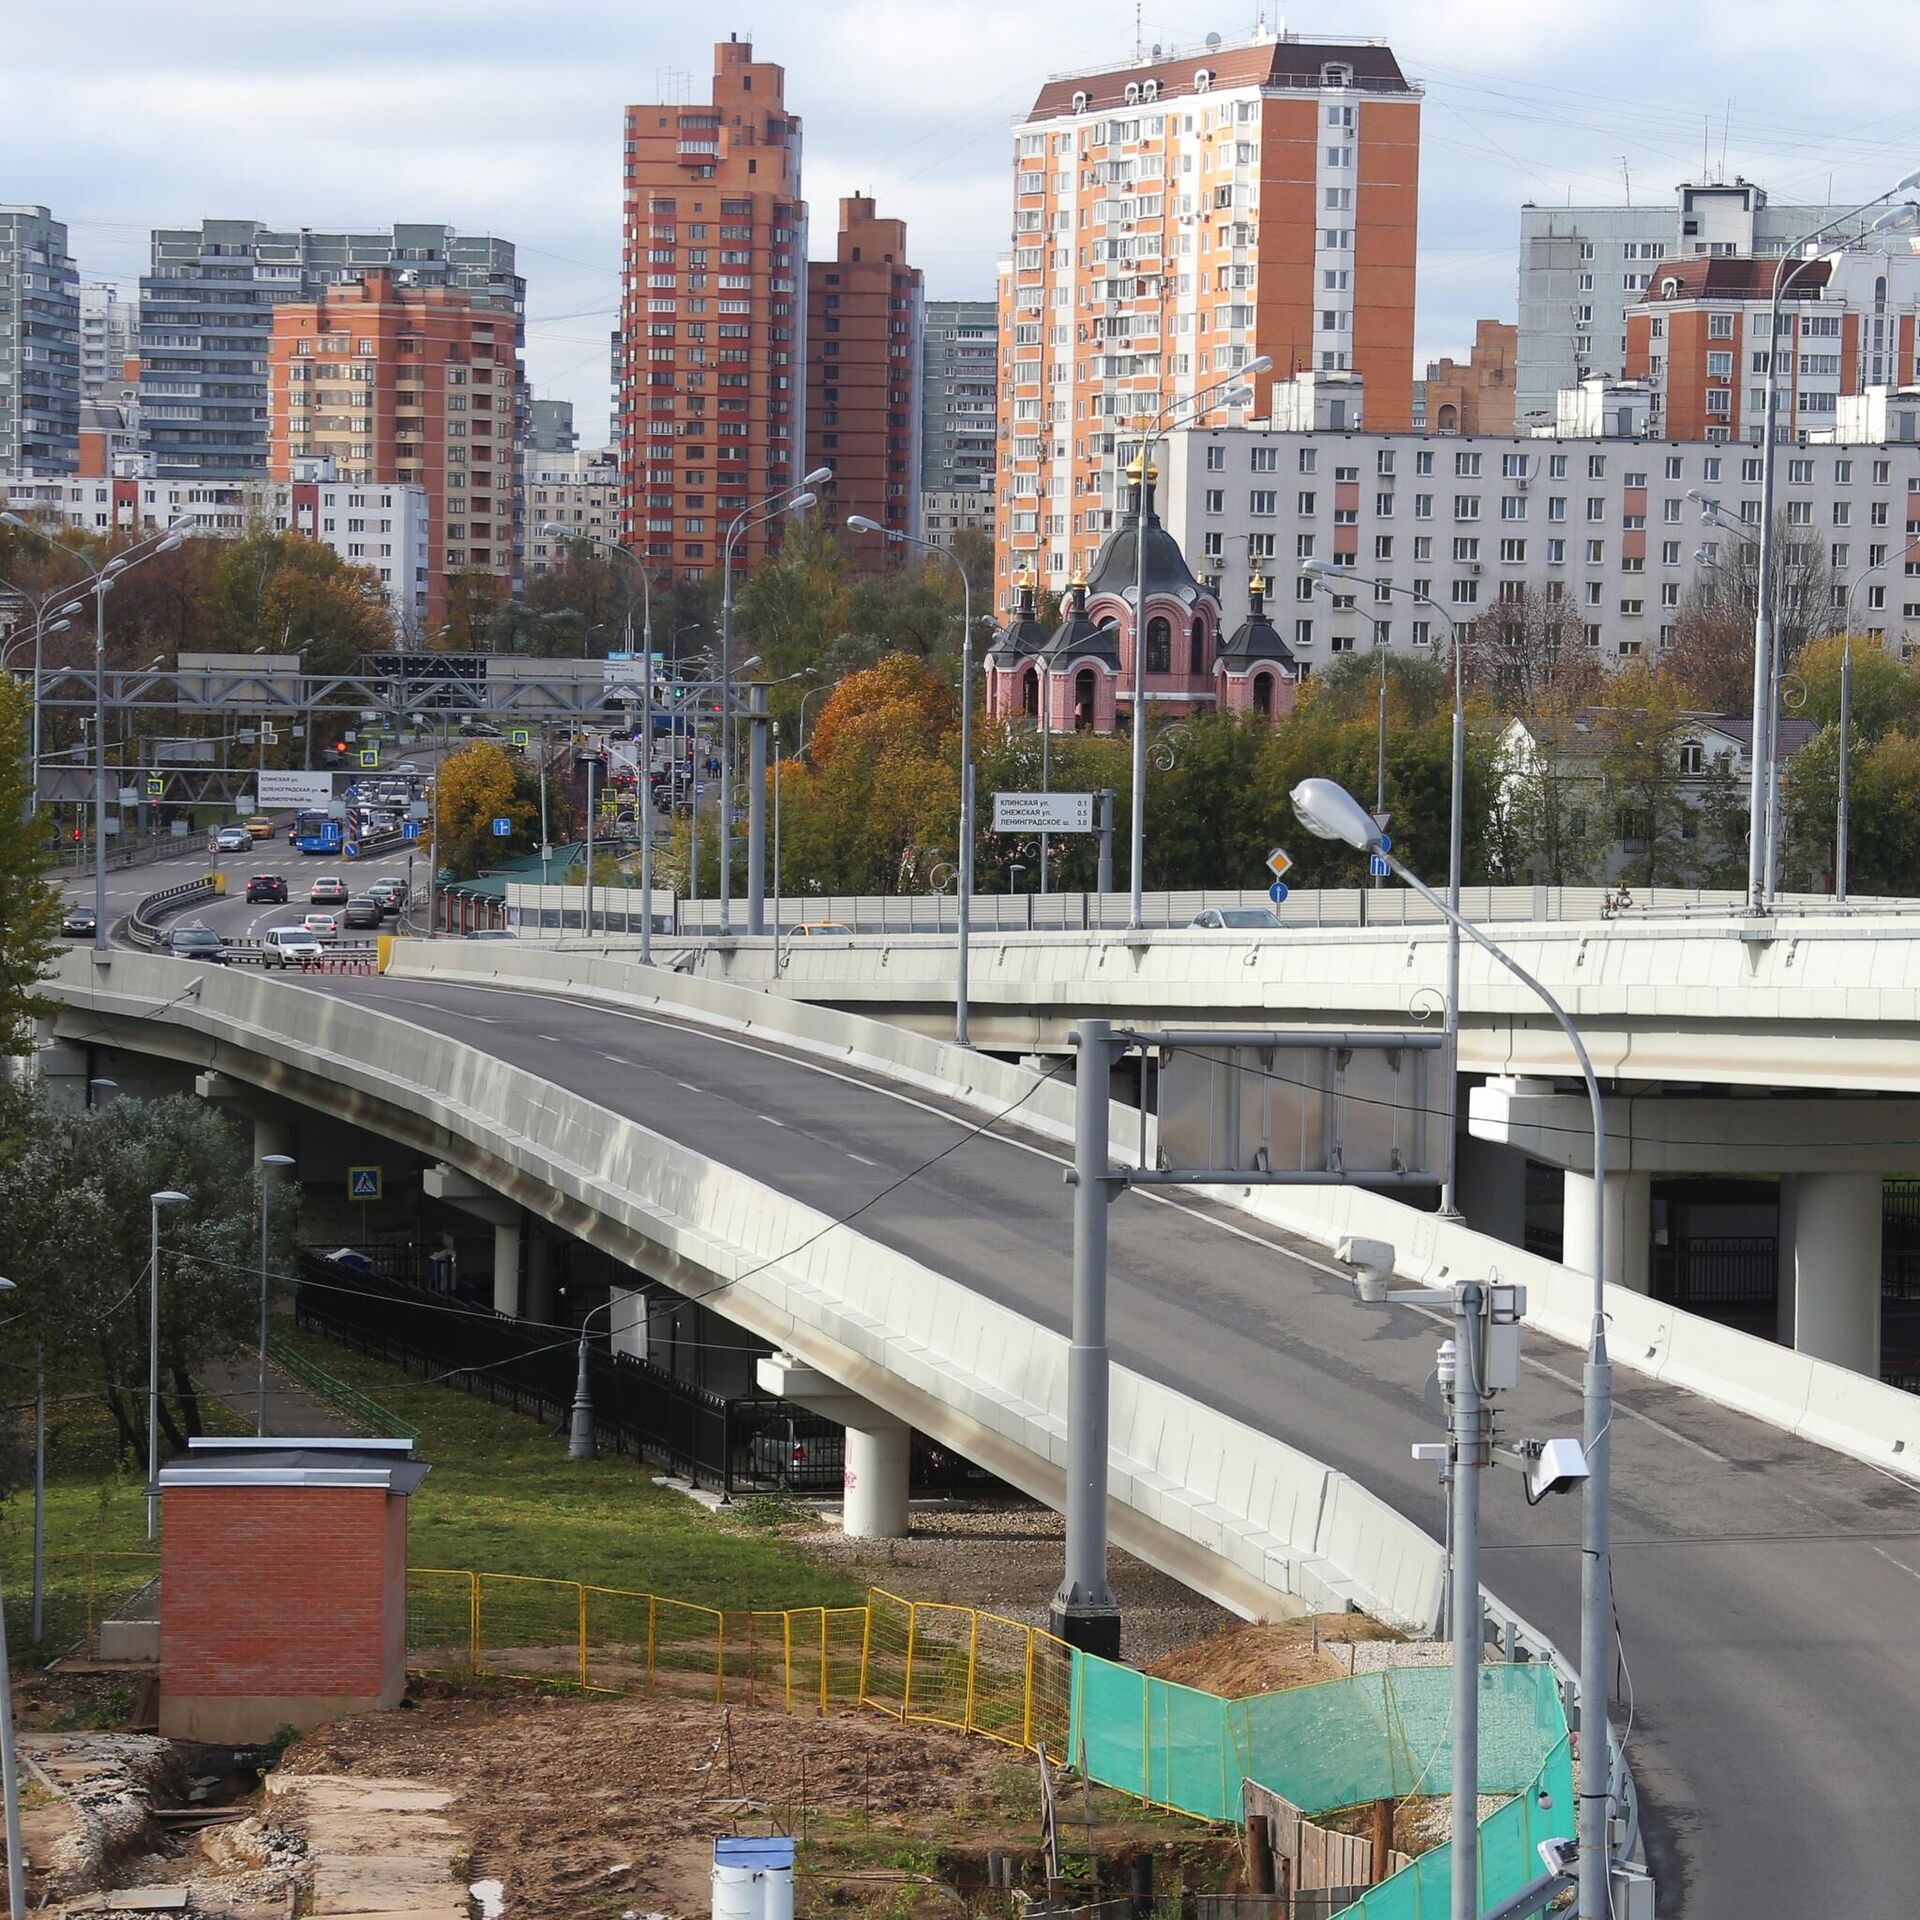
(1492, 1189)
(879, 1447)
(1629, 1201)
(506, 1264)
(503, 1215)
(1836, 1269)
(540, 1298)
(272, 1133)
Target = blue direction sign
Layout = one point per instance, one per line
(1277, 892)
(363, 1183)
(502, 828)
(410, 830)
(1377, 866)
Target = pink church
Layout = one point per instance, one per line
(1079, 678)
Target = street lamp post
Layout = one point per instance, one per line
(268, 1162)
(860, 523)
(786, 500)
(103, 575)
(47, 619)
(1766, 665)
(1229, 392)
(10, 1767)
(1327, 809)
(167, 1197)
(580, 1440)
(1325, 571)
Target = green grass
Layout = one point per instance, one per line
(504, 1498)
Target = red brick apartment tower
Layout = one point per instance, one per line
(1175, 219)
(712, 338)
(865, 321)
(409, 384)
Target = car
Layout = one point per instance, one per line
(406, 766)
(196, 943)
(479, 730)
(328, 890)
(491, 933)
(391, 895)
(79, 924)
(270, 887)
(290, 946)
(259, 826)
(812, 929)
(233, 840)
(1245, 918)
(322, 926)
(362, 911)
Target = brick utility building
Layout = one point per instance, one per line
(1174, 220)
(865, 331)
(710, 410)
(1476, 397)
(411, 384)
(283, 1584)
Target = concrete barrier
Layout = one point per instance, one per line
(1268, 1529)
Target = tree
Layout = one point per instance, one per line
(1637, 733)
(474, 600)
(477, 786)
(1530, 654)
(1548, 827)
(29, 903)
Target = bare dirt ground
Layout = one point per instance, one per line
(587, 1806)
(1262, 1657)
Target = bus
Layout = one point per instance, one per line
(316, 833)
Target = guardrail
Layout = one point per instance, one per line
(143, 924)
(144, 929)
(339, 1396)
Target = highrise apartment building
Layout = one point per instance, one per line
(712, 349)
(550, 427)
(578, 490)
(957, 446)
(109, 338)
(865, 314)
(417, 385)
(1174, 220)
(207, 316)
(1581, 268)
(39, 344)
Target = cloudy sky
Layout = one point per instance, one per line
(506, 118)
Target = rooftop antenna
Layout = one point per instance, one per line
(1725, 126)
(1627, 178)
(1139, 41)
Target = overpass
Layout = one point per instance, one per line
(1765, 1583)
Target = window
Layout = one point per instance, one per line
(1159, 644)
(1266, 459)
(1309, 459)
(1423, 506)
(1216, 500)
(1465, 551)
(1514, 507)
(1466, 506)
(1262, 503)
(1556, 553)
(1466, 593)
(1596, 553)
(1383, 462)
(1720, 366)
(1383, 505)
(1466, 466)
(1720, 326)
(1216, 459)
(1383, 546)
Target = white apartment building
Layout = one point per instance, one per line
(1581, 268)
(1603, 523)
(578, 490)
(109, 337)
(382, 527)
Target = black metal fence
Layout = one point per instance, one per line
(1718, 1270)
(737, 1445)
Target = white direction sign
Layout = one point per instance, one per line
(281, 787)
(1043, 813)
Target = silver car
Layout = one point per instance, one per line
(1248, 919)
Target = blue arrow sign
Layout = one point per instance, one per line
(501, 828)
(410, 830)
(1277, 892)
(1378, 867)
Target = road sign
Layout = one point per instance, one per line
(1381, 818)
(369, 756)
(291, 787)
(156, 785)
(363, 1183)
(269, 736)
(502, 828)
(1277, 892)
(1278, 861)
(1043, 813)
(1378, 867)
(410, 830)
(521, 736)
(129, 796)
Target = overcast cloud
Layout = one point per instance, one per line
(506, 118)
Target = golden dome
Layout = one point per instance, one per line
(1258, 583)
(1133, 471)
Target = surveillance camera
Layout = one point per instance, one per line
(1554, 1466)
(1372, 1261)
(1559, 1856)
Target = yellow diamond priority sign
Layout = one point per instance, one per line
(1278, 862)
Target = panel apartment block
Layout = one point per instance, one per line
(710, 357)
(1581, 268)
(39, 344)
(1174, 220)
(957, 444)
(417, 385)
(206, 317)
(109, 338)
(1601, 524)
(865, 316)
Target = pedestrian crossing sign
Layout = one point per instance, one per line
(369, 756)
(156, 785)
(363, 1183)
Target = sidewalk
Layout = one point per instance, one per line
(292, 1411)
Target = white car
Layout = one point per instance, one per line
(291, 946)
(1243, 917)
(323, 927)
(232, 840)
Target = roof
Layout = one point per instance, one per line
(1113, 570)
(1023, 634)
(1743, 279)
(382, 1465)
(1255, 639)
(1577, 733)
(1274, 63)
(1080, 637)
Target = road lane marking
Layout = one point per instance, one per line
(771, 1121)
(861, 1157)
(1911, 1573)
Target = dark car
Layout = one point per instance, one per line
(79, 924)
(196, 943)
(270, 887)
(363, 912)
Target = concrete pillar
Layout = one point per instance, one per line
(627, 1321)
(1629, 1199)
(1784, 1236)
(272, 1134)
(876, 1482)
(541, 1304)
(1836, 1269)
(506, 1264)
(1492, 1189)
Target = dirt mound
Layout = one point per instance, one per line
(1265, 1657)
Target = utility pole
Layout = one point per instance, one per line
(757, 807)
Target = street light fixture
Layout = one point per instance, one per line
(268, 1163)
(860, 523)
(1326, 808)
(167, 1197)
